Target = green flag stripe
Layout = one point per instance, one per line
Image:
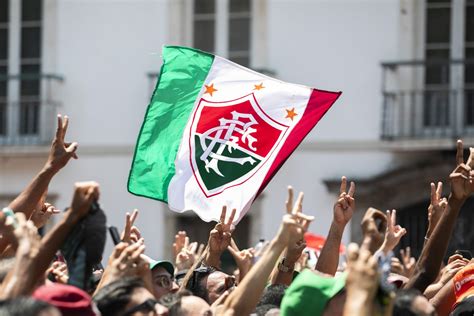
(182, 75)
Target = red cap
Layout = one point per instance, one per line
(69, 299)
(463, 282)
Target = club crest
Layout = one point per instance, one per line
(230, 141)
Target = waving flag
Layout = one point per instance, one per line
(215, 133)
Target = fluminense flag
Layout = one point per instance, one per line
(215, 133)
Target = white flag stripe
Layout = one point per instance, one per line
(233, 82)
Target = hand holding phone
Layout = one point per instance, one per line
(114, 233)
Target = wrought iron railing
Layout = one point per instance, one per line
(423, 100)
(30, 117)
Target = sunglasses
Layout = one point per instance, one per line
(147, 306)
(164, 281)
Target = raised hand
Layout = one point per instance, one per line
(462, 184)
(437, 207)
(294, 223)
(188, 255)
(397, 267)
(345, 204)
(455, 263)
(59, 270)
(408, 262)
(26, 235)
(179, 241)
(43, 213)
(84, 194)
(361, 282)
(243, 259)
(61, 152)
(219, 238)
(374, 227)
(127, 260)
(127, 231)
(393, 232)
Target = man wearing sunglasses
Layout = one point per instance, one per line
(128, 297)
(163, 278)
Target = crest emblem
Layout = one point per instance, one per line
(230, 141)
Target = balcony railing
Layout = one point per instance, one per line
(427, 100)
(30, 117)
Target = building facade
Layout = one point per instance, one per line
(405, 68)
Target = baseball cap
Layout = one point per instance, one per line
(168, 266)
(69, 299)
(309, 293)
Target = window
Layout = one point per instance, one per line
(449, 39)
(4, 18)
(223, 27)
(469, 67)
(30, 63)
(20, 99)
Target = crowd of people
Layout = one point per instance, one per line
(60, 273)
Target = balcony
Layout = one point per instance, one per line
(428, 100)
(29, 118)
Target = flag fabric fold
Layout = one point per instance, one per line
(215, 133)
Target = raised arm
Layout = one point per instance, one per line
(59, 155)
(219, 239)
(244, 299)
(343, 210)
(436, 208)
(374, 227)
(283, 273)
(85, 193)
(432, 254)
(393, 233)
(18, 281)
(361, 283)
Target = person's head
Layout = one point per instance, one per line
(311, 293)
(273, 295)
(183, 303)
(127, 297)
(162, 273)
(266, 310)
(412, 303)
(27, 306)
(69, 299)
(209, 284)
(464, 308)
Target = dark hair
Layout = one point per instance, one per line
(261, 310)
(172, 301)
(195, 284)
(23, 306)
(112, 298)
(403, 302)
(273, 295)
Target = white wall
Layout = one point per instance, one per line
(336, 45)
(105, 48)
(332, 45)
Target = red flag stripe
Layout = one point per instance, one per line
(319, 103)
